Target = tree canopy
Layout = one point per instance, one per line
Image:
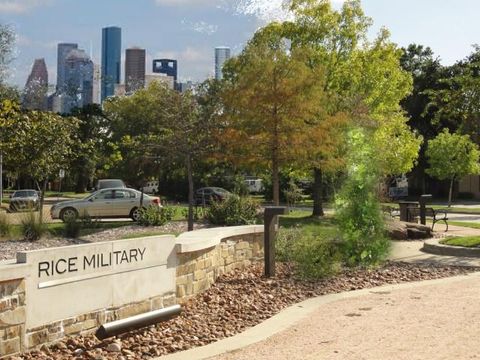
(452, 156)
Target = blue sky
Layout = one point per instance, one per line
(188, 30)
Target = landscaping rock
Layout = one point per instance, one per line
(399, 230)
(237, 301)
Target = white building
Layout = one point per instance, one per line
(161, 78)
(222, 54)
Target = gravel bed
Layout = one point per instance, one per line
(9, 248)
(235, 302)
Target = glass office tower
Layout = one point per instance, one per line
(111, 60)
(222, 54)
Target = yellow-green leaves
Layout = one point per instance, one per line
(452, 156)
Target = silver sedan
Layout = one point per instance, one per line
(105, 203)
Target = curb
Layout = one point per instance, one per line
(433, 246)
(291, 315)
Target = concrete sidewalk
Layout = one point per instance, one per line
(410, 251)
(423, 320)
(434, 319)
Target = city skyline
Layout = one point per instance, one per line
(189, 31)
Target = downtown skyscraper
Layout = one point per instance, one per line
(134, 69)
(222, 54)
(35, 93)
(111, 60)
(63, 49)
(79, 80)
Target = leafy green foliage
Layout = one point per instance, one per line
(452, 156)
(358, 207)
(269, 94)
(94, 152)
(293, 193)
(234, 210)
(313, 256)
(155, 216)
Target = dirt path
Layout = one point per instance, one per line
(426, 322)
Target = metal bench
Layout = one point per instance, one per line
(434, 215)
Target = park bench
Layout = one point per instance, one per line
(434, 215)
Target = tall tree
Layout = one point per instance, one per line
(38, 143)
(451, 157)
(457, 100)
(269, 95)
(362, 80)
(191, 126)
(158, 127)
(428, 75)
(94, 149)
(136, 121)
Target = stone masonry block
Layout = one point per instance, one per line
(10, 347)
(12, 317)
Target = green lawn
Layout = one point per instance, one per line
(472, 225)
(467, 241)
(67, 194)
(324, 226)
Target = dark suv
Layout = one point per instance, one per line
(24, 200)
(206, 195)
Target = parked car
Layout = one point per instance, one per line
(206, 195)
(105, 203)
(109, 184)
(24, 200)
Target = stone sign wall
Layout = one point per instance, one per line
(51, 293)
(84, 278)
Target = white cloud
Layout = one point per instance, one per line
(20, 6)
(201, 27)
(266, 10)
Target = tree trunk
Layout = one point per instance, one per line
(42, 198)
(191, 202)
(317, 193)
(81, 185)
(275, 181)
(450, 192)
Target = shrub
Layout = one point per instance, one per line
(72, 228)
(240, 187)
(234, 210)
(5, 226)
(155, 216)
(313, 256)
(293, 194)
(197, 213)
(31, 226)
(358, 210)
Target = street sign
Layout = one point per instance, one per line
(61, 174)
